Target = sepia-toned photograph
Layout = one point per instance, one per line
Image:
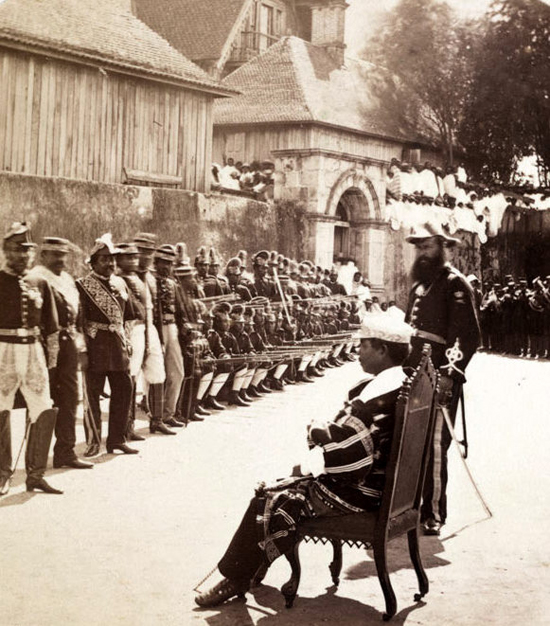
(274, 312)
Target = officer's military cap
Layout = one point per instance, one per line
(19, 234)
(166, 252)
(147, 241)
(103, 246)
(261, 257)
(127, 249)
(429, 230)
(55, 244)
(184, 270)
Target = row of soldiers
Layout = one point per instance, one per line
(515, 316)
(194, 336)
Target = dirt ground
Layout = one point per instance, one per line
(128, 541)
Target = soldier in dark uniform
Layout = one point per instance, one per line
(263, 285)
(218, 351)
(210, 285)
(64, 377)
(237, 329)
(169, 317)
(222, 324)
(105, 309)
(27, 316)
(233, 273)
(214, 270)
(441, 309)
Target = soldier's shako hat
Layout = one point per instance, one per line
(429, 230)
(273, 258)
(182, 258)
(56, 244)
(214, 258)
(234, 266)
(237, 313)
(261, 257)
(103, 246)
(201, 258)
(19, 234)
(248, 313)
(127, 249)
(166, 252)
(146, 241)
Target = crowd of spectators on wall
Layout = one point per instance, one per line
(253, 179)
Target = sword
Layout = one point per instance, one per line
(464, 441)
(446, 416)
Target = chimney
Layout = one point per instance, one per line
(328, 27)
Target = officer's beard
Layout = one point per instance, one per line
(427, 269)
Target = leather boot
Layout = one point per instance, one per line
(244, 395)
(212, 403)
(5, 452)
(38, 447)
(200, 410)
(235, 399)
(253, 392)
(156, 426)
(263, 387)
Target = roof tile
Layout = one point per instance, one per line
(101, 29)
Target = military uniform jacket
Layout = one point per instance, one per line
(446, 309)
(105, 307)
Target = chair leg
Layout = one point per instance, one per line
(384, 578)
(290, 588)
(336, 566)
(259, 575)
(423, 583)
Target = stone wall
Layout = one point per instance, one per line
(82, 211)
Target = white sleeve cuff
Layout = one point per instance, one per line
(314, 462)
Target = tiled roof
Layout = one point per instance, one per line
(102, 30)
(296, 81)
(197, 28)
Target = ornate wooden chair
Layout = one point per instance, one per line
(399, 512)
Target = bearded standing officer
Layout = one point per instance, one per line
(442, 311)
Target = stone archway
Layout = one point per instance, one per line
(360, 194)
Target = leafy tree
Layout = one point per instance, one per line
(430, 52)
(508, 111)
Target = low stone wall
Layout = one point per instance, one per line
(82, 211)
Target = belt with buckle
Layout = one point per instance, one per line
(19, 335)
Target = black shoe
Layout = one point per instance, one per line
(304, 378)
(212, 403)
(253, 392)
(244, 396)
(432, 527)
(123, 448)
(278, 385)
(263, 387)
(196, 418)
(159, 427)
(174, 423)
(200, 410)
(135, 437)
(92, 450)
(236, 400)
(221, 592)
(313, 371)
(41, 485)
(73, 464)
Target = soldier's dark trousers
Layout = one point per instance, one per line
(64, 392)
(434, 496)
(38, 445)
(243, 557)
(120, 383)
